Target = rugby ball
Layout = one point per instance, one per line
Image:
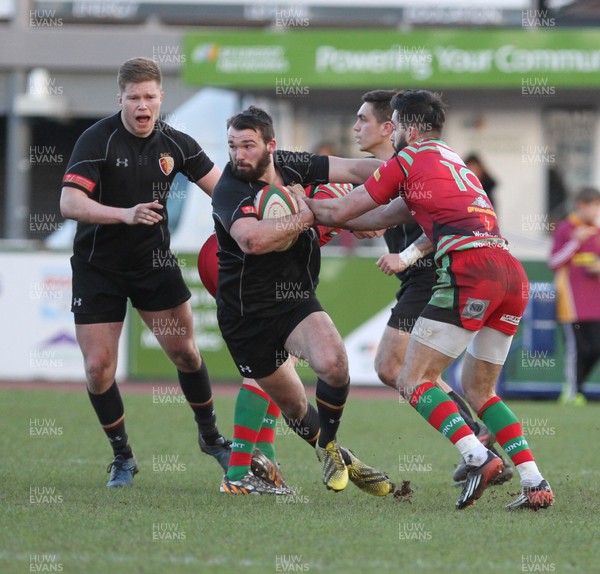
(328, 191)
(208, 264)
(273, 202)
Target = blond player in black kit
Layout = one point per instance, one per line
(116, 188)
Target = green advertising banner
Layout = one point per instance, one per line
(351, 289)
(146, 358)
(293, 61)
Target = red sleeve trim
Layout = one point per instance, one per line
(79, 180)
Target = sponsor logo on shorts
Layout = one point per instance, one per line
(248, 209)
(512, 319)
(475, 308)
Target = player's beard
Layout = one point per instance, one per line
(253, 173)
(401, 144)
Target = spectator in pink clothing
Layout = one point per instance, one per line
(575, 259)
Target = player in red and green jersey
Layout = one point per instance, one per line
(477, 302)
(373, 129)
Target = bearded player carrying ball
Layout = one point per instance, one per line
(267, 308)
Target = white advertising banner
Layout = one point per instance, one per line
(361, 345)
(37, 338)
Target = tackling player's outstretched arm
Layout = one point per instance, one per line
(382, 217)
(75, 204)
(352, 170)
(382, 186)
(338, 212)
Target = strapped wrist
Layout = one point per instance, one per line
(410, 255)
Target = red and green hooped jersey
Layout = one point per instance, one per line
(444, 196)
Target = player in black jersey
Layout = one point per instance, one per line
(266, 303)
(116, 187)
(373, 129)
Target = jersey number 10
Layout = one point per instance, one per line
(464, 177)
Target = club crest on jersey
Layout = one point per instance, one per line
(166, 163)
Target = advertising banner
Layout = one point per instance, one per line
(358, 297)
(287, 62)
(351, 289)
(37, 339)
(146, 358)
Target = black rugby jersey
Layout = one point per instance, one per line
(272, 283)
(116, 168)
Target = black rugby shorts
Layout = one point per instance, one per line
(412, 298)
(257, 344)
(100, 295)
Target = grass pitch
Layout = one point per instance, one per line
(56, 515)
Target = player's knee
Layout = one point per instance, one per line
(186, 358)
(388, 363)
(387, 373)
(99, 372)
(333, 368)
(387, 380)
